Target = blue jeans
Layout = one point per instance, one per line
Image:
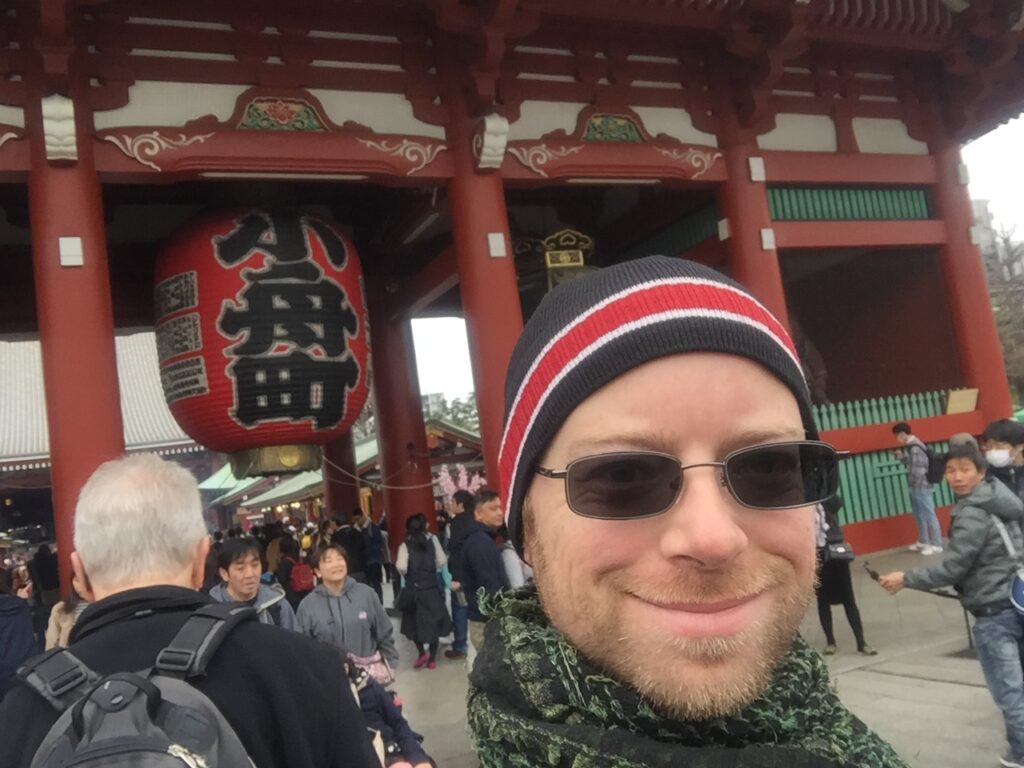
(922, 505)
(460, 619)
(998, 640)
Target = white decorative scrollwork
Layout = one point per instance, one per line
(421, 155)
(149, 145)
(534, 157)
(59, 137)
(699, 159)
(5, 137)
(489, 142)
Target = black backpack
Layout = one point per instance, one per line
(936, 464)
(148, 719)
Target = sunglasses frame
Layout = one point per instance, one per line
(723, 476)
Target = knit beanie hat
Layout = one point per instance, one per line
(593, 329)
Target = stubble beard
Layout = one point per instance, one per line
(688, 679)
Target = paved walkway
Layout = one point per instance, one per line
(924, 692)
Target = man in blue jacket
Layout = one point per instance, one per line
(17, 642)
(480, 566)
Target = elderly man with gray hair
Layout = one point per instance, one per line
(140, 550)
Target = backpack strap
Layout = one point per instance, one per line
(59, 677)
(191, 650)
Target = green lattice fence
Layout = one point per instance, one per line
(848, 204)
(879, 410)
(874, 485)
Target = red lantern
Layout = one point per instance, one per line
(262, 335)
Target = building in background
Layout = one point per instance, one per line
(478, 154)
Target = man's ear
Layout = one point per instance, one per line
(80, 580)
(199, 561)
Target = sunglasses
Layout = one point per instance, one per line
(632, 484)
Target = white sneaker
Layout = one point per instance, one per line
(917, 546)
(931, 550)
(1009, 761)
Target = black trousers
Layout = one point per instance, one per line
(836, 587)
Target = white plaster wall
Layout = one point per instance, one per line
(674, 122)
(12, 116)
(171, 104)
(803, 133)
(539, 117)
(383, 112)
(886, 136)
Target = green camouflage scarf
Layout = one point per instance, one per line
(534, 701)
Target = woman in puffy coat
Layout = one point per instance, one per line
(425, 618)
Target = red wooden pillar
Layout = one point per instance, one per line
(76, 323)
(981, 357)
(404, 459)
(750, 248)
(341, 490)
(487, 277)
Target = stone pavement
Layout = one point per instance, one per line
(924, 691)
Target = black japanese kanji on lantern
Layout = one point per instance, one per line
(261, 329)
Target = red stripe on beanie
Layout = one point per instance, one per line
(642, 301)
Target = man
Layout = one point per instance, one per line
(240, 566)
(981, 567)
(661, 477)
(481, 566)
(373, 546)
(461, 509)
(354, 544)
(1002, 441)
(142, 586)
(922, 502)
(17, 640)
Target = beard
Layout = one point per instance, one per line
(684, 678)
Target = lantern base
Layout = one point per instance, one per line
(275, 460)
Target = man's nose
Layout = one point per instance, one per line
(703, 525)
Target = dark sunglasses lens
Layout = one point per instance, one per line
(784, 475)
(623, 485)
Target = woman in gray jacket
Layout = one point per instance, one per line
(348, 615)
(981, 567)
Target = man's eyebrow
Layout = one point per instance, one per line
(759, 436)
(646, 441)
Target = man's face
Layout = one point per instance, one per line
(455, 507)
(963, 475)
(902, 438)
(693, 607)
(490, 513)
(332, 568)
(243, 577)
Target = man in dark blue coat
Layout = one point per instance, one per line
(16, 640)
(480, 560)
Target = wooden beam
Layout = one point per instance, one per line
(879, 437)
(826, 168)
(426, 286)
(863, 234)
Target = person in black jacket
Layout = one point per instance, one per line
(17, 640)
(461, 508)
(353, 541)
(380, 712)
(481, 566)
(142, 584)
(835, 586)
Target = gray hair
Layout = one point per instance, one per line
(137, 516)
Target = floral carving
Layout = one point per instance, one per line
(420, 155)
(536, 156)
(148, 145)
(281, 115)
(699, 159)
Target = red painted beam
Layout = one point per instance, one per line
(879, 437)
(866, 234)
(830, 168)
(427, 286)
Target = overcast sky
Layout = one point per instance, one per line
(996, 163)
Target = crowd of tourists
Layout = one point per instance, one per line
(663, 477)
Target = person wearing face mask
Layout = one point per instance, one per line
(1000, 442)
